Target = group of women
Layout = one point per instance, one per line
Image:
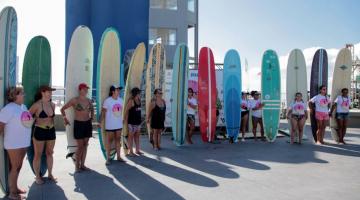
(20, 125)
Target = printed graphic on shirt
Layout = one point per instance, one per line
(26, 119)
(324, 102)
(117, 110)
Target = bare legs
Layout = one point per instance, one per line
(16, 157)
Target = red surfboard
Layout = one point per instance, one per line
(207, 94)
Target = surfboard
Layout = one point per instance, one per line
(36, 72)
(179, 93)
(296, 80)
(271, 94)
(108, 74)
(207, 94)
(8, 46)
(79, 69)
(232, 93)
(341, 79)
(125, 68)
(318, 77)
(134, 78)
(155, 76)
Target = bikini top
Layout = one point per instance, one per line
(80, 107)
(43, 114)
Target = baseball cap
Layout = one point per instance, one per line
(114, 87)
(83, 86)
(44, 88)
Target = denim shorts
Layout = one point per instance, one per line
(342, 116)
(133, 128)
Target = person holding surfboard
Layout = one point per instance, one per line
(111, 112)
(156, 117)
(15, 124)
(244, 114)
(256, 105)
(297, 114)
(192, 105)
(44, 134)
(84, 113)
(133, 120)
(320, 104)
(342, 105)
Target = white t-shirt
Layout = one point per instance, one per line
(343, 104)
(114, 111)
(255, 104)
(321, 103)
(192, 101)
(298, 108)
(18, 122)
(244, 105)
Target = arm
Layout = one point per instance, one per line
(33, 109)
(129, 105)
(333, 107)
(2, 126)
(92, 112)
(150, 108)
(289, 113)
(66, 106)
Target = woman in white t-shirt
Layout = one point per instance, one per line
(15, 123)
(111, 112)
(191, 109)
(245, 104)
(342, 106)
(256, 106)
(320, 104)
(297, 114)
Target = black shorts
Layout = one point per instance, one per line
(297, 117)
(190, 118)
(113, 130)
(44, 134)
(243, 113)
(82, 129)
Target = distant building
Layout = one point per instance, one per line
(173, 22)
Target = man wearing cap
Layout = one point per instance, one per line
(82, 125)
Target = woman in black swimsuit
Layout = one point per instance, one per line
(44, 131)
(156, 117)
(84, 113)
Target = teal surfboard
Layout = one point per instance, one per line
(36, 72)
(232, 93)
(271, 93)
(179, 93)
(8, 42)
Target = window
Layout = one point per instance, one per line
(191, 5)
(162, 35)
(164, 4)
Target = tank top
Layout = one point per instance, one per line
(158, 113)
(135, 114)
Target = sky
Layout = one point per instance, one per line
(249, 26)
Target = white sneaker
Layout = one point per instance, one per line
(243, 140)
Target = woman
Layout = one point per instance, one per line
(297, 114)
(15, 123)
(256, 107)
(133, 119)
(191, 109)
(342, 105)
(320, 105)
(44, 131)
(111, 112)
(244, 114)
(84, 113)
(156, 117)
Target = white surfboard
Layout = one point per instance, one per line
(79, 69)
(341, 79)
(296, 81)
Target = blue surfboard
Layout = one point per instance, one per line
(232, 93)
(179, 93)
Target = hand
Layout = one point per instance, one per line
(148, 120)
(66, 121)
(99, 125)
